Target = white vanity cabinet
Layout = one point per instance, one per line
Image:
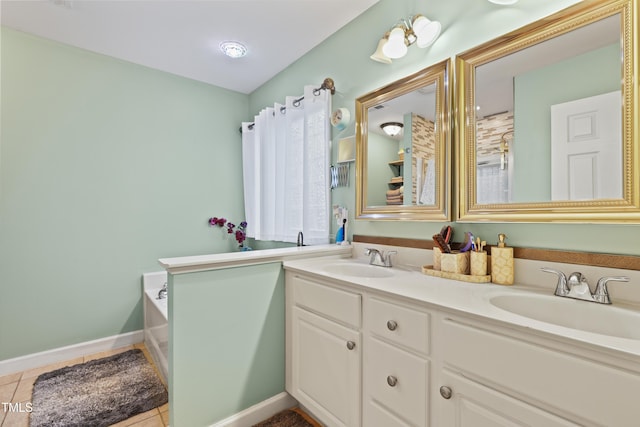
(324, 349)
(396, 364)
(496, 376)
(362, 355)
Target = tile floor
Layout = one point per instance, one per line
(17, 388)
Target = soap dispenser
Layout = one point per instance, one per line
(502, 262)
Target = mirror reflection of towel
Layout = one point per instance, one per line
(395, 197)
(428, 194)
(395, 192)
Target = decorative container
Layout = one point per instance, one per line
(455, 262)
(478, 263)
(428, 270)
(502, 266)
(437, 256)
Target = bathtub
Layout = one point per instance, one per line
(156, 323)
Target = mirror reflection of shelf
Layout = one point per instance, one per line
(396, 167)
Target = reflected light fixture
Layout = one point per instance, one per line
(233, 49)
(392, 128)
(395, 43)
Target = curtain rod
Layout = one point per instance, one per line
(327, 84)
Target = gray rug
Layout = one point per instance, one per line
(295, 417)
(97, 393)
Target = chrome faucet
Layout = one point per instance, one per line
(577, 287)
(162, 293)
(300, 241)
(379, 257)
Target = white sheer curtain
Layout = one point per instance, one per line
(285, 162)
(493, 184)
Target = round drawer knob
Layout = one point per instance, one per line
(351, 345)
(392, 381)
(446, 392)
(392, 325)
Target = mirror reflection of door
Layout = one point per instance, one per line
(586, 149)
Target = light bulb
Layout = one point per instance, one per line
(396, 46)
(233, 49)
(419, 22)
(426, 31)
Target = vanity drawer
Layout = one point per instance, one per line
(396, 381)
(333, 303)
(399, 324)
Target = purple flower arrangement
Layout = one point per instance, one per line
(239, 231)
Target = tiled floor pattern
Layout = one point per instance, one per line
(17, 388)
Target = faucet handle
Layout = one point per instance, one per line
(387, 259)
(562, 289)
(601, 293)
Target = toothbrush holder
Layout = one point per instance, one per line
(479, 263)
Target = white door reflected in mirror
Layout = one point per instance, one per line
(586, 148)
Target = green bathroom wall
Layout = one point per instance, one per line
(535, 92)
(227, 349)
(345, 58)
(105, 166)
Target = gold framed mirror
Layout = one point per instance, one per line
(403, 146)
(548, 120)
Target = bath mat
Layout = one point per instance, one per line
(97, 393)
(294, 417)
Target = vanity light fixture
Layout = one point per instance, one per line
(504, 2)
(505, 140)
(233, 49)
(392, 128)
(395, 43)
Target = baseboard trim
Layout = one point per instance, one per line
(259, 412)
(61, 354)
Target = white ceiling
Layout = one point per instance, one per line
(182, 36)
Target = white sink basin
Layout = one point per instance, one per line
(581, 315)
(358, 270)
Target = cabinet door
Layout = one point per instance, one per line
(562, 382)
(474, 405)
(325, 358)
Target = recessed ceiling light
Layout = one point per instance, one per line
(233, 49)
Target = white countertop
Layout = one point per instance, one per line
(463, 298)
(190, 264)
